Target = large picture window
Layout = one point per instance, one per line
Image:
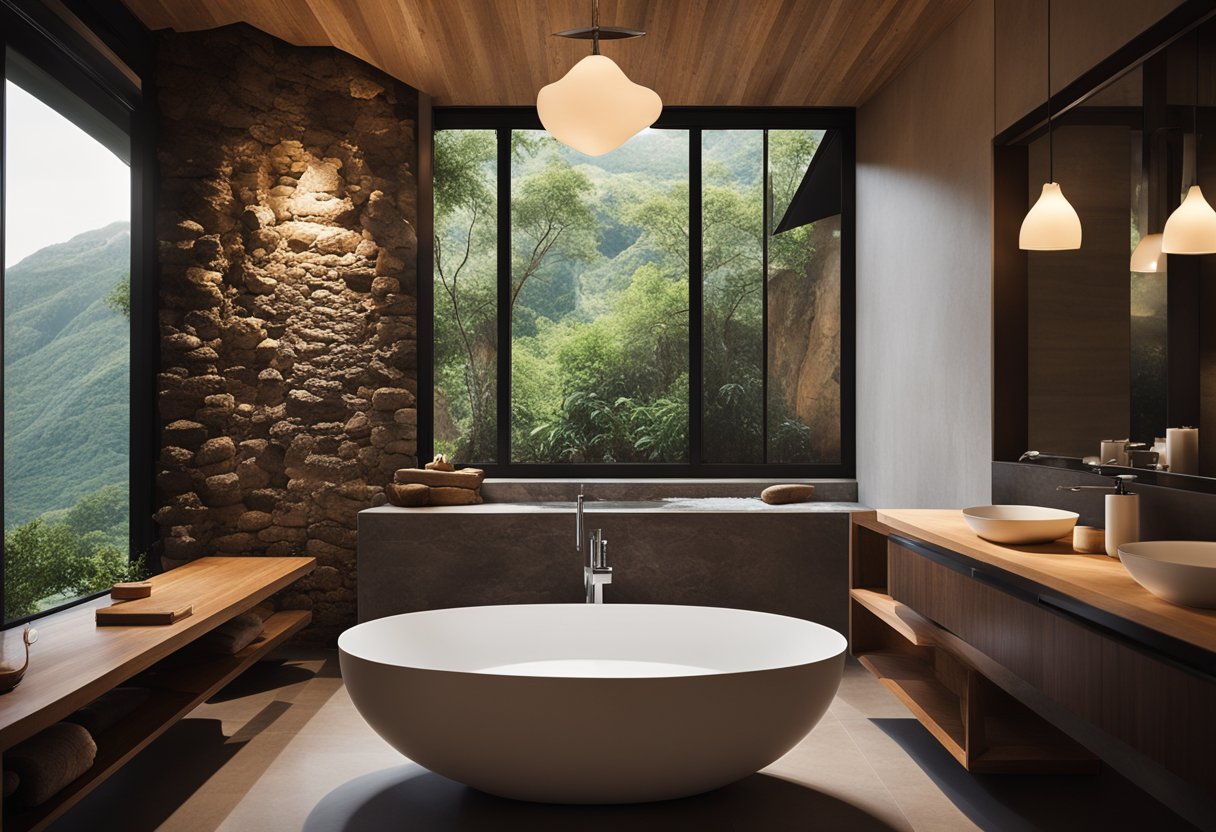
(67, 347)
(668, 308)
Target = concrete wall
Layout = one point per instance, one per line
(924, 196)
(924, 322)
(789, 560)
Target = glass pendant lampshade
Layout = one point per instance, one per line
(1148, 257)
(1191, 229)
(595, 108)
(1052, 224)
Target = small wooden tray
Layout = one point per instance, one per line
(143, 611)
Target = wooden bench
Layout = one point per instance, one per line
(74, 661)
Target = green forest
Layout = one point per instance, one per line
(599, 295)
(66, 420)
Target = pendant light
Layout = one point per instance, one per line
(1191, 229)
(595, 108)
(1051, 224)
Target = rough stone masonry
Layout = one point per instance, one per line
(287, 258)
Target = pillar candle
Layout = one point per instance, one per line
(1182, 448)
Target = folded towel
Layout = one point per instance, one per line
(109, 709)
(48, 761)
(232, 636)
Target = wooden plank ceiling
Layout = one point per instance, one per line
(697, 52)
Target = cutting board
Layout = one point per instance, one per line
(144, 611)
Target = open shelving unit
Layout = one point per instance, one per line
(985, 729)
(81, 661)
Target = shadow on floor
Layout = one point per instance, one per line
(264, 676)
(193, 750)
(410, 796)
(1034, 803)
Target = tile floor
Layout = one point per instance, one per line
(283, 748)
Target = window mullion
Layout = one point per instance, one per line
(695, 298)
(764, 183)
(503, 386)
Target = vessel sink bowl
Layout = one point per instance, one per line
(1020, 525)
(1179, 571)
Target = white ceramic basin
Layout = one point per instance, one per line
(1180, 571)
(588, 703)
(1020, 525)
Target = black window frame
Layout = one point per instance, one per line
(84, 46)
(695, 120)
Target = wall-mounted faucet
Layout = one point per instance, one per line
(596, 571)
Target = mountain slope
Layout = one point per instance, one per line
(66, 374)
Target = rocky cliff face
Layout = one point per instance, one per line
(804, 346)
(287, 389)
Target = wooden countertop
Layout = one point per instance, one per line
(1097, 580)
(74, 661)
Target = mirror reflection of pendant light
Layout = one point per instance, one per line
(1148, 256)
(1191, 229)
(1051, 224)
(595, 108)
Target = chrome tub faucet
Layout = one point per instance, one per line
(596, 571)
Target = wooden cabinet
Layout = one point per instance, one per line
(982, 726)
(1035, 659)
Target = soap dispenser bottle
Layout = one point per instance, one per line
(1122, 515)
(1122, 512)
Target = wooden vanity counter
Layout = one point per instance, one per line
(1098, 581)
(1036, 658)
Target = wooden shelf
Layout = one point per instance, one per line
(75, 661)
(916, 685)
(175, 694)
(982, 726)
(897, 616)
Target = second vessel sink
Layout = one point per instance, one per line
(1179, 571)
(1020, 525)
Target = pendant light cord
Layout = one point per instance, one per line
(1195, 118)
(595, 27)
(1051, 141)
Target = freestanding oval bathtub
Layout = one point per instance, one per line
(586, 703)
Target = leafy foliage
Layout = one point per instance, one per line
(81, 550)
(119, 298)
(599, 295)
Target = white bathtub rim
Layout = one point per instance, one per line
(832, 652)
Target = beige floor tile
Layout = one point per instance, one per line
(283, 748)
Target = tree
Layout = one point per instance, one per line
(119, 298)
(84, 552)
(465, 313)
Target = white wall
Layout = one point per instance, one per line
(924, 318)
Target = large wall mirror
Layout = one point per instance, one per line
(1089, 349)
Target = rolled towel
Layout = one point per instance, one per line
(48, 761)
(109, 709)
(232, 636)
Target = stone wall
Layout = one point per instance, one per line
(287, 386)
